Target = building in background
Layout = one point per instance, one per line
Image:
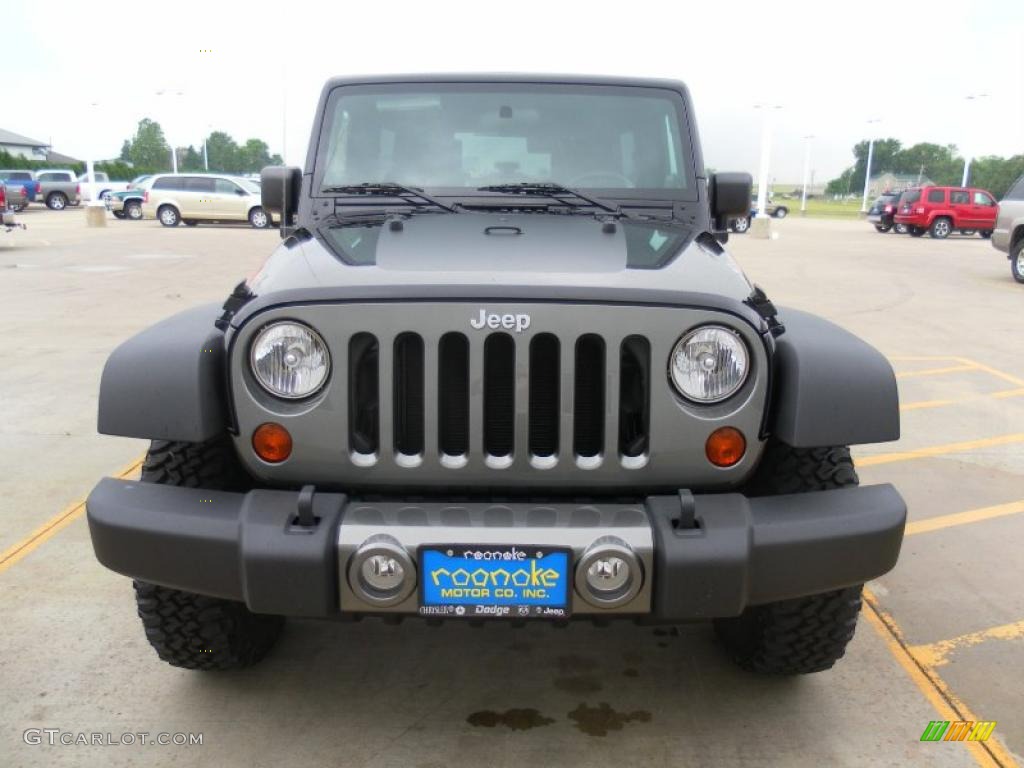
(22, 146)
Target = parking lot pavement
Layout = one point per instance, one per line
(942, 637)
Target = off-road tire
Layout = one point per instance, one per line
(793, 637)
(194, 631)
(203, 633)
(805, 634)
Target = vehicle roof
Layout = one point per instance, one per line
(506, 77)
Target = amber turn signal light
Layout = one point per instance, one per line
(272, 442)
(725, 446)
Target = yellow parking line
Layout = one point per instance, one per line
(936, 371)
(939, 450)
(1002, 394)
(963, 518)
(993, 371)
(937, 654)
(935, 689)
(13, 554)
(921, 358)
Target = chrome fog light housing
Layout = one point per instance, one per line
(290, 360)
(609, 574)
(709, 364)
(381, 572)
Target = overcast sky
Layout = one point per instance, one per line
(81, 74)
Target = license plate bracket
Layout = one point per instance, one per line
(500, 580)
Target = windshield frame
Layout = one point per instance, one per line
(687, 160)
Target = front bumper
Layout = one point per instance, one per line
(712, 555)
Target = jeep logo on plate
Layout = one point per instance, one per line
(494, 320)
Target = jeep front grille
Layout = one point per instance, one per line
(387, 397)
(420, 399)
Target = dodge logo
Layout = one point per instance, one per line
(518, 323)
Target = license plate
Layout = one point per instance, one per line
(475, 580)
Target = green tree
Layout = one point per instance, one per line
(996, 174)
(939, 163)
(223, 153)
(254, 155)
(189, 159)
(149, 148)
(126, 151)
(883, 158)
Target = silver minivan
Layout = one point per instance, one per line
(194, 197)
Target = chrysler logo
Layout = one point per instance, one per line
(493, 320)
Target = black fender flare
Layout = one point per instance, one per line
(830, 387)
(167, 382)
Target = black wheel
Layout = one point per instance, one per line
(259, 218)
(940, 228)
(195, 631)
(118, 214)
(967, 232)
(1017, 261)
(56, 201)
(168, 215)
(133, 211)
(739, 226)
(781, 212)
(189, 222)
(806, 634)
(883, 227)
(899, 229)
(915, 231)
(985, 233)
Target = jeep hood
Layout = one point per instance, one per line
(518, 252)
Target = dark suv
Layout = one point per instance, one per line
(882, 212)
(499, 368)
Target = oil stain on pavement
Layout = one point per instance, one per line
(600, 720)
(514, 719)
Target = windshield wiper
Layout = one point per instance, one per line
(389, 188)
(556, 191)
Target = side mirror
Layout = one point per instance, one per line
(729, 195)
(279, 189)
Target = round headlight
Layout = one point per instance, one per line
(290, 360)
(709, 364)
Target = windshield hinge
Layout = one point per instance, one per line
(761, 304)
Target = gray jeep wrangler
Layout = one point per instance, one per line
(500, 367)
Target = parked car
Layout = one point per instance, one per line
(58, 188)
(193, 197)
(7, 218)
(104, 185)
(742, 224)
(940, 211)
(15, 196)
(1008, 235)
(128, 204)
(882, 212)
(494, 398)
(24, 179)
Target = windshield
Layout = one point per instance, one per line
(249, 186)
(464, 136)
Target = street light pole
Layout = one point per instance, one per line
(867, 170)
(976, 98)
(174, 153)
(768, 111)
(807, 168)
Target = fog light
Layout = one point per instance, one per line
(381, 572)
(272, 442)
(609, 573)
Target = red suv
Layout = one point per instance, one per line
(942, 210)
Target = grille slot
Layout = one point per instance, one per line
(499, 394)
(453, 394)
(588, 400)
(408, 394)
(634, 396)
(364, 399)
(544, 395)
